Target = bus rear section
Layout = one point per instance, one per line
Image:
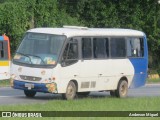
(4, 57)
(75, 61)
(139, 61)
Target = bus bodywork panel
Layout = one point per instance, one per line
(96, 79)
(101, 75)
(36, 79)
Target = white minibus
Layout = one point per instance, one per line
(74, 61)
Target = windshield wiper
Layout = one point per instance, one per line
(25, 56)
(36, 56)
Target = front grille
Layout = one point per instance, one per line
(30, 78)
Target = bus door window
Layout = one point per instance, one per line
(70, 55)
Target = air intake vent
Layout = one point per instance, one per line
(85, 85)
(30, 78)
(93, 84)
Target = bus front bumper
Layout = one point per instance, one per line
(38, 87)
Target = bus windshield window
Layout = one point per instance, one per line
(39, 49)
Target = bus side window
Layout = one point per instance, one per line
(70, 54)
(1, 50)
(118, 48)
(135, 47)
(4, 50)
(86, 48)
(100, 47)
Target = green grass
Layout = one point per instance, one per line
(4, 83)
(153, 80)
(91, 104)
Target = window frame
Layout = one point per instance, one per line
(141, 39)
(105, 51)
(92, 45)
(82, 49)
(79, 39)
(110, 47)
(4, 49)
(63, 61)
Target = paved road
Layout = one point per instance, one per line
(10, 96)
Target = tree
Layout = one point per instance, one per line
(17, 16)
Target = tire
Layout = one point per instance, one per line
(83, 94)
(70, 91)
(112, 93)
(122, 89)
(29, 93)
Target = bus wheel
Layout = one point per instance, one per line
(112, 93)
(70, 92)
(122, 89)
(29, 93)
(83, 94)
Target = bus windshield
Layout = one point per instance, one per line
(39, 49)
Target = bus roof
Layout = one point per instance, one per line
(69, 32)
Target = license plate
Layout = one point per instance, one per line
(29, 86)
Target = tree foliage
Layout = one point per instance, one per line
(17, 16)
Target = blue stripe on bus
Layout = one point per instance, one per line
(140, 72)
(1, 38)
(140, 67)
(38, 87)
